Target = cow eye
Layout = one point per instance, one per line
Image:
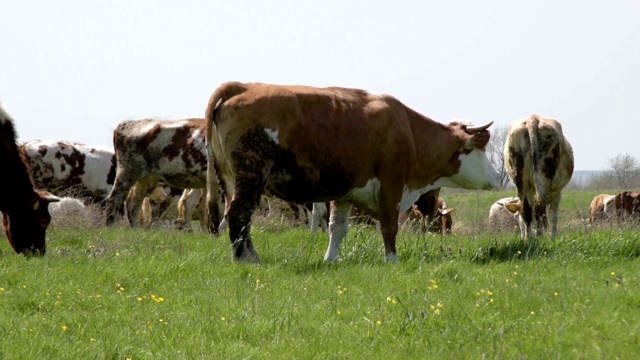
(44, 222)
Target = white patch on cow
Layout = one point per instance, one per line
(476, 172)
(317, 218)
(410, 196)
(338, 226)
(273, 134)
(366, 196)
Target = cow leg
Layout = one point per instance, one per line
(317, 220)
(135, 199)
(114, 203)
(554, 206)
(540, 218)
(389, 226)
(244, 202)
(186, 207)
(526, 217)
(338, 226)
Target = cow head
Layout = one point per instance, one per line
(475, 170)
(443, 222)
(26, 227)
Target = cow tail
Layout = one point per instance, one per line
(214, 195)
(538, 179)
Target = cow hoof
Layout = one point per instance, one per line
(248, 257)
(393, 257)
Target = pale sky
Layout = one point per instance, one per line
(72, 70)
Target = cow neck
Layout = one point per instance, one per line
(16, 184)
(435, 145)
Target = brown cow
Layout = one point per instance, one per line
(539, 161)
(627, 205)
(307, 144)
(433, 213)
(602, 207)
(24, 209)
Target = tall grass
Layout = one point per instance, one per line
(128, 293)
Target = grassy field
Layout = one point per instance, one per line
(161, 294)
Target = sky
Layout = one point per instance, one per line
(73, 70)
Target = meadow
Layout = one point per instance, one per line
(119, 293)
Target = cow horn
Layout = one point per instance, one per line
(473, 130)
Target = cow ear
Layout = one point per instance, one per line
(478, 140)
(46, 197)
(512, 207)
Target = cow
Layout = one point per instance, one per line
(70, 169)
(25, 209)
(432, 213)
(539, 161)
(627, 204)
(602, 207)
(150, 151)
(307, 144)
(504, 214)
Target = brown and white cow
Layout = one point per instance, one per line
(432, 213)
(71, 169)
(539, 161)
(24, 209)
(603, 207)
(306, 144)
(150, 151)
(504, 214)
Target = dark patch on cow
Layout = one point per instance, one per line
(111, 176)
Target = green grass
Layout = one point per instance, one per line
(159, 294)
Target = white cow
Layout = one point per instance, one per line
(504, 214)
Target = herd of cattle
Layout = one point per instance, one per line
(330, 150)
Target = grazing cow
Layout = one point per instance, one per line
(627, 205)
(24, 209)
(603, 207)
(306, 144)
(71, 169)
(433, 213)
(150, 151)
(539, 161)
(505, 213)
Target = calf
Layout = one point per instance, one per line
(25, 210)
(382, 156)
(150, 151)
(504, 214)
(539, 161)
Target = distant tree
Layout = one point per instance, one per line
(495, 152)
(624, 170)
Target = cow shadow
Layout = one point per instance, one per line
(500, 251)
